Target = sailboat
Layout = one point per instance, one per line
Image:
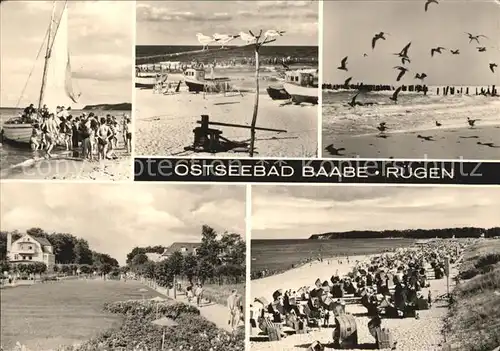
(56, 87)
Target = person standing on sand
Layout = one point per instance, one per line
(51, 132)
(102, 139)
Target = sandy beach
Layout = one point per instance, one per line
(412, 129)
(63, 166)
(411, 334)
(444, 143)
(165, 123)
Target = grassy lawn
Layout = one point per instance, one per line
(474, 319)
(45, 316)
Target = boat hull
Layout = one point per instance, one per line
(278, 93)
(145, 82)
(198, 86)
(302, 94)
(17, 133)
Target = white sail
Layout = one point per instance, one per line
(59, 86)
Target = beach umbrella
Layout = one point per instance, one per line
(164, 322)
(262, 300)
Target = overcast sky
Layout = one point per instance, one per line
(114, 218)
(349, 27)
(296, 212)
(177, 22)
(100, 45)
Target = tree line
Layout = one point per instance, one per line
(465, 232)
(220, 261)
(71, 254)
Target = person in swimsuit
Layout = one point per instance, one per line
(127, 133)
(35, 136)
(102, 139)
(233, 305)
(52, 131)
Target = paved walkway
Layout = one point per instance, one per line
(213, 312)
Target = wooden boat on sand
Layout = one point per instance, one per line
(277, 93)
(197, 82)
(302, 86)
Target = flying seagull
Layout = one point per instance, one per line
(455, 52)
(224, 38)
(365, 55)
(343, 64)
(271, 33)
(382, 127)
(353, 102)
(475, 37)
(332, 150)
(402, 71)
(347, 81)
(481, 49)
(404, 54)
(394, 96)
(205, 40)
(420, 76)
(377, 37)
(471, 122)
(247, 38)
(438, 50)
(438, 124)
(492, 67)
(430, 2)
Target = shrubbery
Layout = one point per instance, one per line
(479, 265)
(193, 332)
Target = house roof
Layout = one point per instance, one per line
(42, 241)
(178, 246)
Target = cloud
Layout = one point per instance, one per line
(114, 218)
(298, 211)
(147, 13)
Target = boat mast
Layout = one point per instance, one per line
(47, 57)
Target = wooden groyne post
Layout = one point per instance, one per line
(258, 44)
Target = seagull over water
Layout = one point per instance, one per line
(402, 71)
(492, 67)
(377, 37)
(475, 37)
(347, 81)
(438, 50)
(420, 76)
(404, 54)
(481, 49)
(343, 64)
(430, 2)
(394, 96)
(455, 52)
(205, 40)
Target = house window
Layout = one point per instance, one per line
(183, 249)
(31, 257)
(16, 256)
(30, 247)
(24, 257)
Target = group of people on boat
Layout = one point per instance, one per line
(93, 134)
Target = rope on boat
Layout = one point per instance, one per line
(32, 69)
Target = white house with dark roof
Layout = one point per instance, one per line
(28, 249)
(183, 248)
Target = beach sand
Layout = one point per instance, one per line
(355, 129)
(63, 166)
(446, 143)
(423, 334)
(165, 123)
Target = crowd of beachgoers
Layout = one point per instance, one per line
(391, 285)
(94, 135)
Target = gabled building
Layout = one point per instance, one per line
(29, 249)
(184, 248)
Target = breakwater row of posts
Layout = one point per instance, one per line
(445, 90)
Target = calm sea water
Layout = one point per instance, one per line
(280, 255)
(12, 155)
(412, 112)
(309, 53)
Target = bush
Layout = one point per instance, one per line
(193, 332)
